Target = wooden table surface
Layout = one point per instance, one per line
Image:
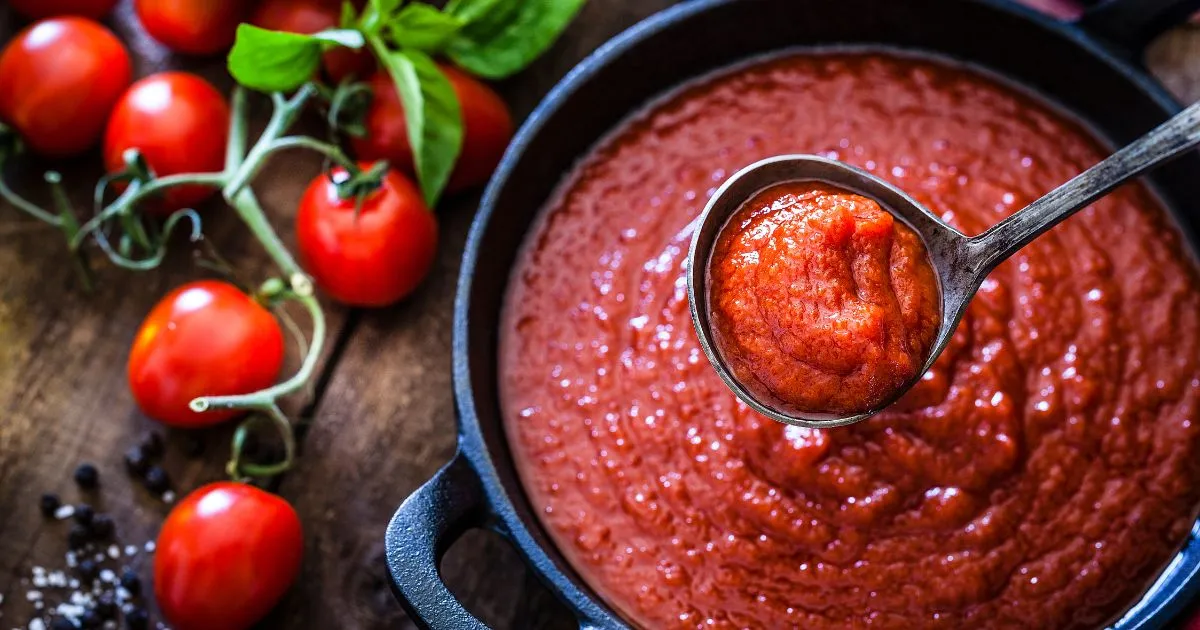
(378, 424)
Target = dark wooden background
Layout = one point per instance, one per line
(381, 419)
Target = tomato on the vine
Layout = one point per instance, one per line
(205, 338)
(193, 27)
(488, 128)
(308, 17)
(60, 107)
(371, 254)
(40, 9)
(179, 123)
(226, 554)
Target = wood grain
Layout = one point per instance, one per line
(63, 393)
(382, 425)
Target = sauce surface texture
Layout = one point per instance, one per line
(820, 300)
(1039, 476)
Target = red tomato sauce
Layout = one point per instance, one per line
(1040, 475)
(821, 301)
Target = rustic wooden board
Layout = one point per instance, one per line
(381, 427)
(63, 392)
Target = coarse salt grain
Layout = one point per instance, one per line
(72, 560)
(168, 497)
(131, 550)
(64, 512)
(33, 596)
(150, 546)
(37, 624)
(107, 575)
(114, 552)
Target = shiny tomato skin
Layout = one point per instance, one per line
(486, 119)
(180, 123)
(308, 17)
(375, 258)
(205, 338)
(193, 27)
(225, 556)
(41, 9)
(59, 80)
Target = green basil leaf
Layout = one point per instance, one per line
(274, 61)
(431, 114)
(423, 27)
(377, 13)
(483, 18)
(271, 61)
(527, 33)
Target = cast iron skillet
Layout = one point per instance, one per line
(1090, 67)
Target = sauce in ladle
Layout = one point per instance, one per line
(821, 301)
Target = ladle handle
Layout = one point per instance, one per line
(1180, 133)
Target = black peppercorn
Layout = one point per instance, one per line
(137, 619)
(156, 480)
(50, 504)
(87, 570)
(84, 514)
(103, 527)
(106, 606)
(136, 461)
(87, 476)
(131, 582)
(90, 619)
(152, 445)
(78, 536)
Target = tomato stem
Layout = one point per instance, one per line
(22, 204)
(331, 151)
(235, 151)
(239, 470)
(157, 252)
(251, 212)
(263, 399)
(285, 114)
(69, 224)
(139, 191)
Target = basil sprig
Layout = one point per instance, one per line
(493, 39)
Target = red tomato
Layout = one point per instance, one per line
(194, 27)
(224, 557)
(179, 123)
(59, 79)
(39, 9)
(205, 338)
(311, 16)
(373, 256)
(488, 124)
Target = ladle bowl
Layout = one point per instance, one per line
(961, 262)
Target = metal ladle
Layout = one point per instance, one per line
(961, 262)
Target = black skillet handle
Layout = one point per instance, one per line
(427, 523)
(1132, 24)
